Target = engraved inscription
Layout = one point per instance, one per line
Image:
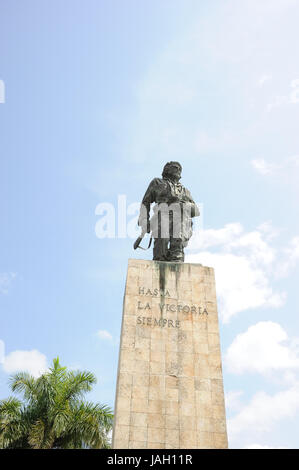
(153, 292)
(160, 322)
(166, 307)
(175, 308)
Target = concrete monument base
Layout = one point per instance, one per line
(169, 390)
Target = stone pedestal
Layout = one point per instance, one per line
(169, 390)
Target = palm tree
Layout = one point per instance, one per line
(53, 413)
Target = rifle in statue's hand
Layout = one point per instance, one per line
(139, 239)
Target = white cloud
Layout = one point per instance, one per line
(263, 167)
(5, 281)
(263, 348)
(263, 79)
(103, 334)
(293, 248)
(33, 362)
(291, 98)
(233, 238)
(268, 230)
(291, 257)
(243, 266)
(294, 97)
(278, 101)
(240, 285)
(232, 400)
(256, 245)
(294, 161)
(263, 413)
(267, 168)
(216, 237)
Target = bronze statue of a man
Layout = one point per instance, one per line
(171, 224)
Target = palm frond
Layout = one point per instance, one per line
(25, 384)
(10, 406)
(77, 384)
(53, 413)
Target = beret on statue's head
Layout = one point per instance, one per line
(168, 166)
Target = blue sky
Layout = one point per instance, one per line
(98, 97)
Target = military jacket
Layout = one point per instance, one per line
(163, 190)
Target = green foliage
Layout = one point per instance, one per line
(53, 413)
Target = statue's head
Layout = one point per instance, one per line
(172, 170)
